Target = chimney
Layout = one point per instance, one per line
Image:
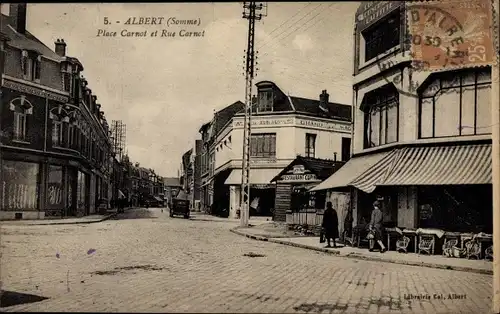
(60, 47)
(323, 100)
(17, 13)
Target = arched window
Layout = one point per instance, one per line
(58, 117)
(456, 104)
(21, 108)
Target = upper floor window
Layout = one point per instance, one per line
(381, 116)
(31, 66)
(57, 131)
(456, 104)
(265, 101)
(263, 145)
(21, 108)
(311, 145)
(382, 36)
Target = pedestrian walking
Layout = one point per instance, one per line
(330, 224)
(376, 228)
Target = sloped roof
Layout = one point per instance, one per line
(312, 107)
(171, 181)
(26, 41)
(223, 116)
(322, 168)
(187, 157)
(309, 106)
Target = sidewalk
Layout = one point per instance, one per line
(62, 221)
(254, 220)
(265, 233)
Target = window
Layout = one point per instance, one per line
(383, 36)
(265, 101)
(263, 145)
(456, 104)
(57, 131)
(66, 77)
(37, 67)
(31, 65)
(19, 186)
(71, 132)
(381, 117)
(311, 145)
(346, 148)
(21, 109)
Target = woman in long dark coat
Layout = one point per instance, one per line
(330, 224)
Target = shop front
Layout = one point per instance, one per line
(262, 191)
(430, 205)
(37, 187)
(294, 203)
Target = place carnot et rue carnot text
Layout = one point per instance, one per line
(131, 31)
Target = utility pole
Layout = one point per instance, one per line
(250, 9)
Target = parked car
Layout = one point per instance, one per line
(180, 206)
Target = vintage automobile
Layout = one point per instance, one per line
(180, 205)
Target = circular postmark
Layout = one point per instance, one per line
(441, 35)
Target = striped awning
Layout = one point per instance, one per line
(368, 181)
(444, 165)
(351, 171)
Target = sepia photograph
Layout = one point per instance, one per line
(250, 157)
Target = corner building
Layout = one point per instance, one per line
(54, 138)
(422, 139)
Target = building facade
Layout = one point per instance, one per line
(54, 137)
(171, 187)
(283, 127)
(422, 139)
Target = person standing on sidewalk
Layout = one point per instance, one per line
(375, 226)
(330, 224)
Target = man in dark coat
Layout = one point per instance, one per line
(376, 227)
(330, 224)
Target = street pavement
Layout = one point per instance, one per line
(145, 261)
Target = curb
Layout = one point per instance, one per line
(364, 257)
(65, 223)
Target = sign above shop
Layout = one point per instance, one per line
(331, 126)
(266, 122)
(299, 177)
(369, 13)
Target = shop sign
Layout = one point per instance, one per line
(261, 186)
(299, 177)
(370, 12)
(298, 169)
(266, 122)
(324, 125)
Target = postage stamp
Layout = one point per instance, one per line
(450, 33)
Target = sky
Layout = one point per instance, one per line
(165, 88)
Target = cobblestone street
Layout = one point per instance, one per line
(145, 261)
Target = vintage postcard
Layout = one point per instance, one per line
(250, 157)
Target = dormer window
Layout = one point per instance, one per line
(31, 65)
(265, 101)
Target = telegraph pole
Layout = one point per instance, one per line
(250, 9)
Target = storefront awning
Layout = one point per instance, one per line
(257, 176)
(368, 181)
(445, 165)
(349, 172)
